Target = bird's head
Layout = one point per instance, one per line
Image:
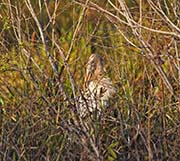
(95, 68)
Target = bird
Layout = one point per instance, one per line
(98, 88)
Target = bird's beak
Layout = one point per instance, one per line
(87, 78)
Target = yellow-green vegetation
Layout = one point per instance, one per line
(44, 48)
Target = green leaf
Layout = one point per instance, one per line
(112, 153)
(114, 144)
(1, 101)
(110, 158)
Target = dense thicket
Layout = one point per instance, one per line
(44, 47)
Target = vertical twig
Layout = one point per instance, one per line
(140, 17)
(178, 64)
(50, 58)
(29, 6)
(75, 34)
(13, 20)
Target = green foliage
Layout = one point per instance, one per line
(110, 150)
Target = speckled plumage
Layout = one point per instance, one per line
(98, 88)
